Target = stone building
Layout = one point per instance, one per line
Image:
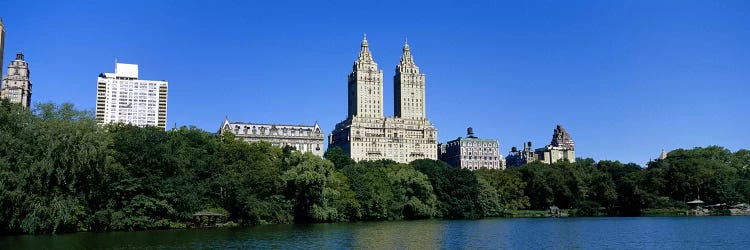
(367, 134)
(561, 148)
(16, 86)
(472, 153)
(122, 97)
(303, 138)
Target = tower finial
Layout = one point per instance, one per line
(364, 40)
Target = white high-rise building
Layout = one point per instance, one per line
(122, 97)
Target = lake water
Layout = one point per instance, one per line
(537, 233)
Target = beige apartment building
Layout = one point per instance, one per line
(367, 134)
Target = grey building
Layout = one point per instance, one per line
(517, 158)
(303, 138)
(472, 153)
(16, 85)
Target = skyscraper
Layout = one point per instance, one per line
(16, 85)
(122, 97)
(367, 134)
(408, 88)
(365, 85)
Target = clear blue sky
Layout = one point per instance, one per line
(626, 78)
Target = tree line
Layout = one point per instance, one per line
(61, 172)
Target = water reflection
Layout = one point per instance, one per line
(424, 234)
(550, 233)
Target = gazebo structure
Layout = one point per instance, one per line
(207, 218)
(696, 209)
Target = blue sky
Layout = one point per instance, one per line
(625, 78)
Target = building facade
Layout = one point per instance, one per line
(367, 134)
(472, 153)
(16, 86)
(560, 148)
(123, 98)
(303, 138)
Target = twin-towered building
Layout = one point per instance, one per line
(367, 134)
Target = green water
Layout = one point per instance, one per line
(543, 233)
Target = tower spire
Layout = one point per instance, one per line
(364, 53)
(409, 94)
(406, 58)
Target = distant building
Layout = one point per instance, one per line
(561, 148)
(303, 138)
(663, 155)
(367, 134)
(16, 86)
(122, 97)
(472, 153)
(517, 158)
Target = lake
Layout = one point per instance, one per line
(729, 232)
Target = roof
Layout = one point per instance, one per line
(695, 202)
(207, 213)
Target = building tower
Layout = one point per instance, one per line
(122, 97)
(2, 45)
(561, 138)
(17, 84)
(663, 155)
(408, 88)
(365, 85)
(560, 148)
(366, 134)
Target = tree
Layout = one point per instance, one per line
(319, 194)
(508, 185)
(457, 189)
(339, 158)
(413, 196)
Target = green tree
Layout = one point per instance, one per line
(509, 186)
(457, 189)
(413, 196)
(339, 158)
(319, 193)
